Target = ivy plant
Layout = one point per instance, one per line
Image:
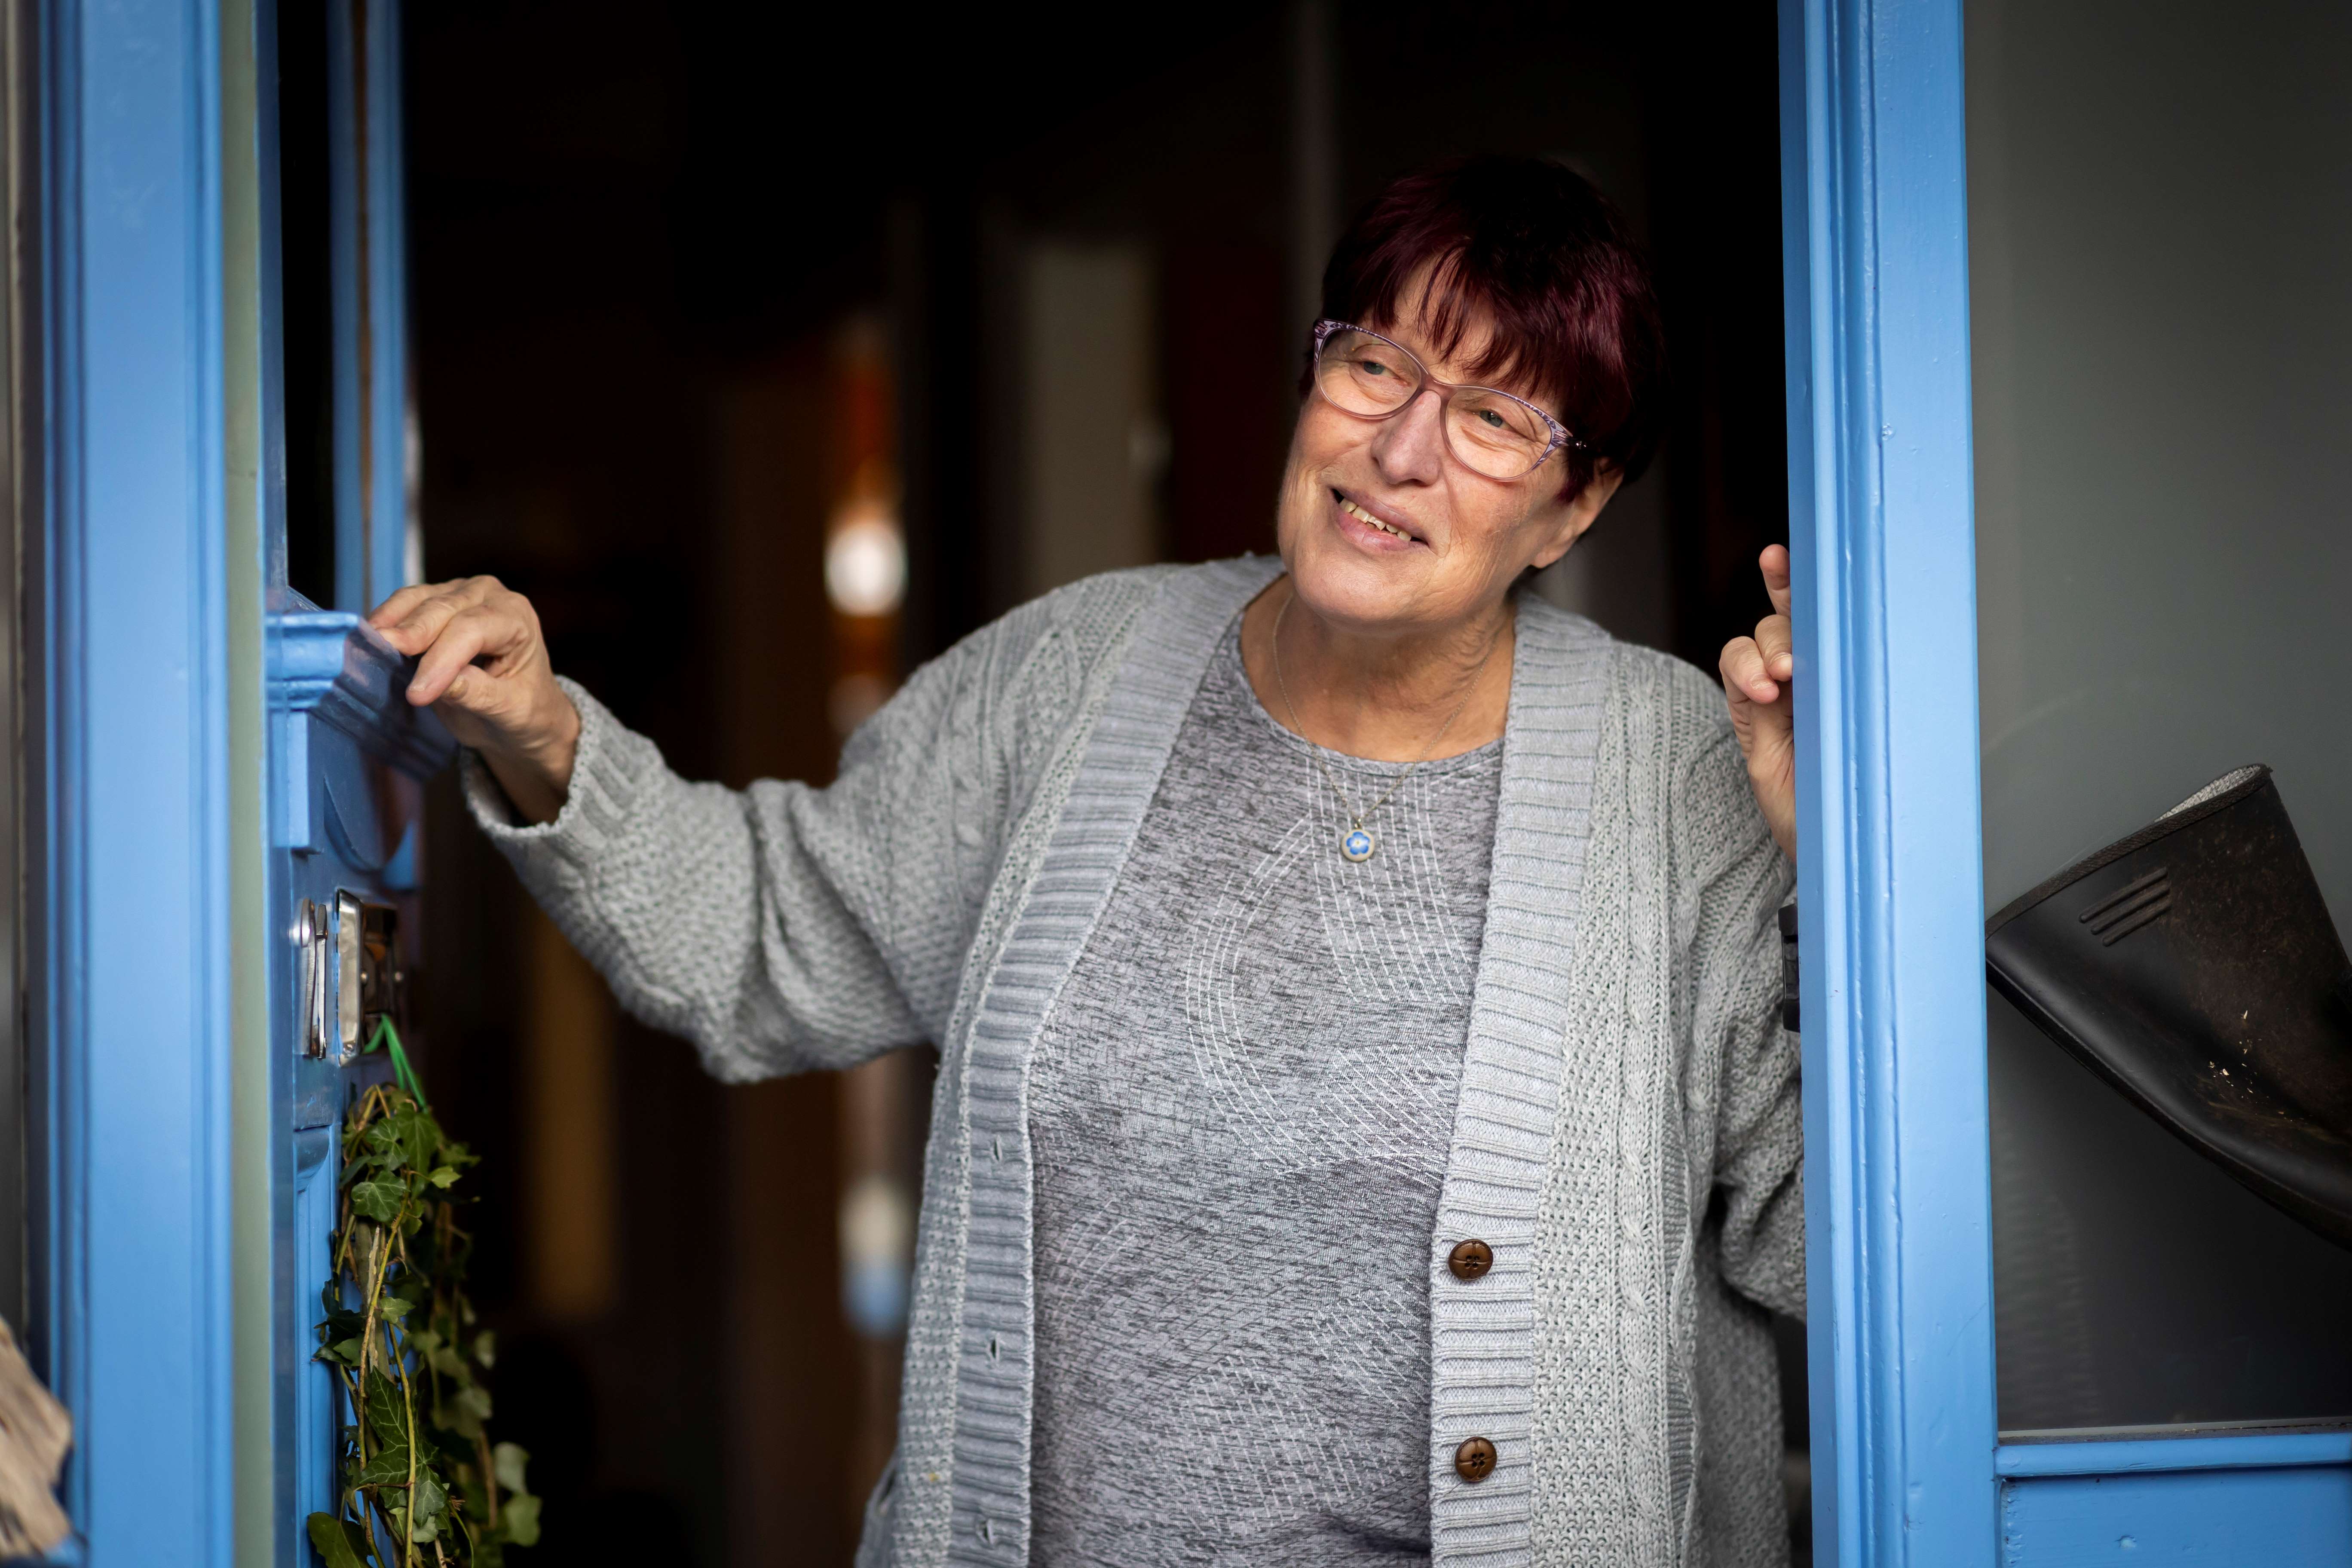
(421, 1482)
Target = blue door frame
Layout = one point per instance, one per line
(133, 983)
(1890, 900)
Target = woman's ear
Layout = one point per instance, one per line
(1570, 520)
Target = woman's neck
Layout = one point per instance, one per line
(1381, 698)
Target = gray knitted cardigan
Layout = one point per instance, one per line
(1627, 1136)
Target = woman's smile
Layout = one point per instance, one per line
(1371, 530)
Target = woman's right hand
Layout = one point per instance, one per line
(482, 666)
(1760, 677)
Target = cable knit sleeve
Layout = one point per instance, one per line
(1737, 880)
(783, 927)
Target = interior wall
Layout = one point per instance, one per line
(2160, 233)
(1095, 443)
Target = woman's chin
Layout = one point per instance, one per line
(1360, 591)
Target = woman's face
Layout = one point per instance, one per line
(1460, 539)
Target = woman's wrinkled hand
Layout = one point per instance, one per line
(482, 666)
(1757, 674)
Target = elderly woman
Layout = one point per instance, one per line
(1363, 1132)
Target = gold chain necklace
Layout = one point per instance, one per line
(1358, 844)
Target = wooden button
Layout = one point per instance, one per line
(1474, 1460)
(1469, 1259)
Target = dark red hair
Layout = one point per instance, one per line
(1534, 253)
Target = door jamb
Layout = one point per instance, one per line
(1890, 879)
(132, 993)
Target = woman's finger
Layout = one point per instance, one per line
(1759, 681)
(1767, 743)
(1745, 675)
(451, 655)
(469, 635)
(395, 608)
(1774, 564)
(423, 622)
(1774, 645)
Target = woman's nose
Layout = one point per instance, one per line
(1411, 446)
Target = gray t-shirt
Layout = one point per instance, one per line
(1241, 1106)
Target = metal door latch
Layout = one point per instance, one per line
(311, 934)
(367, 969)
(351, 973)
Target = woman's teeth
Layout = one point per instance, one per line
(1352, 509)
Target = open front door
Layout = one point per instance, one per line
(348, 755)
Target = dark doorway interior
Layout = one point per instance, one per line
(664, 259)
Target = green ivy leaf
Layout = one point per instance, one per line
(518, 1521)
(419, 1139)
(379, 1198)
(382, 1144)
(428, 1509)
(385, 1417)
(398, 1163)
(338, 1542)
(467, 1411)
(388, 1468)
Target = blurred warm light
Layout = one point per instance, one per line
(865, 561)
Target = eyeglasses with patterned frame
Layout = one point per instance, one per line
(1490, 432)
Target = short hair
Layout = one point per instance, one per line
(1540, 256)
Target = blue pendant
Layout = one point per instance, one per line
(1357, 845)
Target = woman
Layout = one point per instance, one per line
(1362, 1130)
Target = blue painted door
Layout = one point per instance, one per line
(347, 754)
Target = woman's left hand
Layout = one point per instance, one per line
(1757, 676)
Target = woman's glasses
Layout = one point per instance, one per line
(1489, 432)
